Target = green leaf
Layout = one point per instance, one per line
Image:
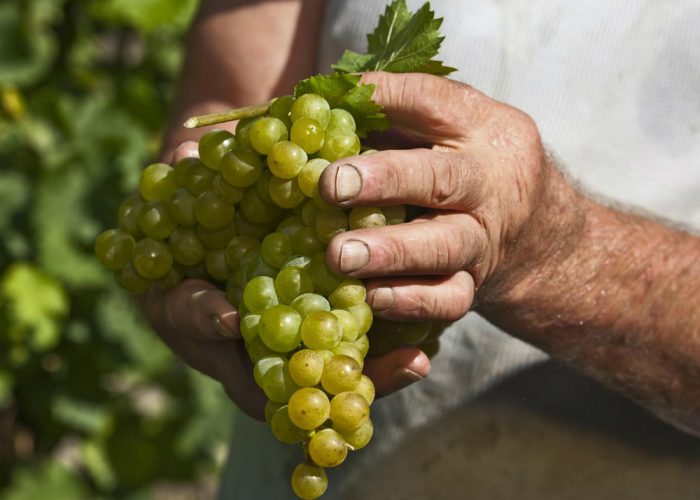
(352, 62)
(81, 415)
(149, 15)
(50, 480)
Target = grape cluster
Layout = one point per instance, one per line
(247, 214)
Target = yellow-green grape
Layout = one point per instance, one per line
(309, 212)
(214, 145)
(129, 211)
(257, 349)
(270, 408)
(301, 261)
(157, 182)
(283, 428)
(360, 437)
(305, 242)
(351, 350)
(259, 294)
(308, 134)
(258, 267)
(151, 259)
(325, 280)
(215, 264)
(310, 174)
(362, 344)
(217, 239)
(249, 327)
(364, 217)
(330, 223)
(414, 332)
(394, 215)
(279, 328)
(280, 109)
(186, 247)
(285, 193)
(263, 366)
(196, 272)
(199, 178)
(290, 225)
(277, 383)
(243, 132)
(349, 410)
(234, 293)
(325, 354)
(230, 194)
(130, 281)
(364, 316)
(307, 303)
(311, 106)
(341, 119)
(248, 228)
(181, 169)
(340, 374)
(350, 292)
(241, 167)
(276, 249)
(262, 187)
(430, 347)
(321, 330)
(286, 159)
(366, 389)
(319, 201)
(309, 481)
(237, 248)
(349, 324)
(266, 132)
(258, 212)
(155, 221)
(114, 248)
(339, 143)
(292, 282)
(306, 367)
(212, 212)
(172, 279)
(327, 448)
(181, 207)
(308, 408)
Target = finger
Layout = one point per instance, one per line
(423, 177)
(397, 369)
(441, 299)
(430, 107)
(194, 309)
(188, 149)
(442, 245)
(239, 384)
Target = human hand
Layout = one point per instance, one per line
(493, 196)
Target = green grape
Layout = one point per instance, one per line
(256, 211)
(340, 143)
(286, 160)
(290, 225)
(327, 448)
(129, 212)
(430, 347)
(309, 481)
(212, 212)
(308, 408)
(308, 134)
(181, 170)
(283, 428)
(214, 145)
(266, 132)
(270, 408)
(243, 132)
(292, 282)
(360, 437)
(351, 350)
(186, 247)
(310, 174)
(301, 261)
(321, 330)
(242, 272)
(263, 365)
(130, 281)
(364, 316)
(249, 327)
(215, 264)
(114, 248)
(320, 202)
(325, 354)
(306, 367)
(349, 410)
(340, 374)
(259, 294)
(172, 279)
(325, 280)
(277, 383)
(311, 106)
(155, 221)
(280, 108)
(217, 239)
(394, 215)
(279, 328)
(285, 193)
(365, 388)
(199, 178)
(157, 182)
(248, 228)
(385, 337)
(309, 212)
(234, 293)
(330, 223)
(151, 259)
(414, 332)
(341, 119)
(349, 324)
(241, 167)
(276, 249)
(305, 242)
(364, 217)
(307, 303)
(230, 194)
(362, 344)
(258, 267)
(196, 272)
(181, 207)
(262, 187)
(257, 349)
(237, 248)
(349, 293)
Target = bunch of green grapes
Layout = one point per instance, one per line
(247, 215)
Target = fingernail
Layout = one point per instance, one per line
(197, 296)
(383, 298)
(354, 255)
(348, 182)
(221, 328)
(404, 377)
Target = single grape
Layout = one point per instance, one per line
(214, 145)
(339, 143)
(414, 332)
(306, 367)
(309, 481)
(217, 239)
(276, 249)
(266, 132)
(362, 344)
(279, 328)
(277, 383)
(181, 207)
(199, 178)
(230, 194)
(321, 330)
(349, 324)
(364, 316)
(249, 327)
(349, 410)
(130, 280)
(366, 389)
(364, 217)
(327, 448)
(129, 211)
(262, 187)
(309, 175)
(290, 225)
(243, 132)
(286, 160)
(360, 437)
(212, 212)
(155, 221)
(330, 223)
(325, 280)
(196, 272)
(351, 350)
(114, 248)
(151, 259)
(283, 428)
(157, 182)
(270, 408)
(186, 247)
(340, 374)
(301, 261)
(241, 167)
(263, 365)
(215, 264)
(280, 108)
(259, 294)
(258, 267)
(172, 279)
(394, 215)
(256, 211)
(305, 242)
(248, 228)
(311, 106)
(234, 293)
(257, 349)
(341, 119)
(307, 303)
(309, 212)
(292, 282)
(237, 248)
(181, 170)
(308, 408)
(308, 134)
(285, 193)
(349, 293)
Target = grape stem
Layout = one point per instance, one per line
(227, 116)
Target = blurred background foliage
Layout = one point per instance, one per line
(91, 404)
